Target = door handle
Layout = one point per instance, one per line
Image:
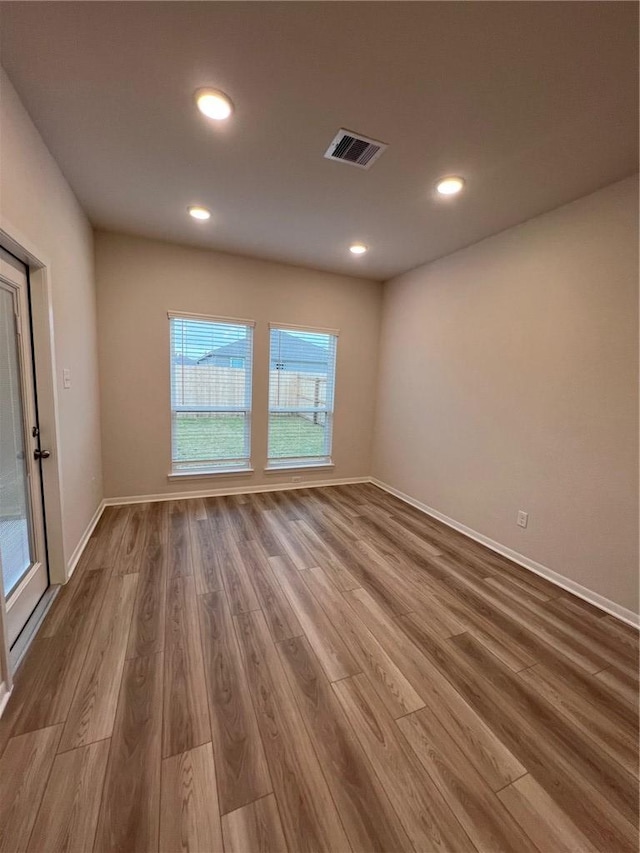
(41, 454)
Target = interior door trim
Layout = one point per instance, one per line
(38, 264)
(23, 599)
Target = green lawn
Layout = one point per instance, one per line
(222, 436)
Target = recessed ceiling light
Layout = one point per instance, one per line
(450, 185)
(358, 249)
(200, 213)
(214, 104)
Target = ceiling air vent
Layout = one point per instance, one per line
(355, 149)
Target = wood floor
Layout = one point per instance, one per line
(319, 669)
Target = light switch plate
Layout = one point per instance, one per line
(66, 378)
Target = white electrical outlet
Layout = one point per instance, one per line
(66, 378)
(523, 518)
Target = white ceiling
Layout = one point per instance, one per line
(535, 104)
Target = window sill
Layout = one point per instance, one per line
(193, 475)
(299, 466)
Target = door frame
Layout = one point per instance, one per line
(34, 582)
(41, 295)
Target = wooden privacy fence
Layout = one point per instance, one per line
(211, 385)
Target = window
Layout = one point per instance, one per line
(302, 368)
(210, 394)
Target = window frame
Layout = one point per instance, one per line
(212, 467)
(282, 463)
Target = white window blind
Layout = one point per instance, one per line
(302, 368)
(211, 366)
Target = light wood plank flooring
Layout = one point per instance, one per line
(316, 670)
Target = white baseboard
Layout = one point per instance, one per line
(4, 696)
(594, 598)
(232, 490)
(82, 544)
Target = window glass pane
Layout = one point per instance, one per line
(210, 393)
(301, 387)
(15, 541)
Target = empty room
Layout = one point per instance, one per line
(319, 515)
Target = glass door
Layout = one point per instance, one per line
(22, 535)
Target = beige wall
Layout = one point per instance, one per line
(38, 207)
(139, 280)
(508, 380)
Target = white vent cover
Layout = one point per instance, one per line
(355, 149)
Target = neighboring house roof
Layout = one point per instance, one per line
(183, 359)
(292, 349)
(237, 349)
